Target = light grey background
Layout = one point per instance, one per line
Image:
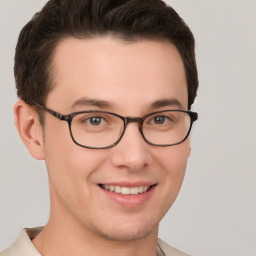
(215, 213)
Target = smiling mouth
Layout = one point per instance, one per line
(126, 190)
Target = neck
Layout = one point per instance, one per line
(65, 236)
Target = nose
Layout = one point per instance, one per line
(132, 151)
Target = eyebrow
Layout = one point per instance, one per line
(106, 104)
(92, 102)
(166, 103)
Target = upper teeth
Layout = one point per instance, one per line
(126, 190)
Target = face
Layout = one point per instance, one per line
(128, 78)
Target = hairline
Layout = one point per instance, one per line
(117, 36)
(121, 37)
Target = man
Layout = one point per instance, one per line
(105, 90)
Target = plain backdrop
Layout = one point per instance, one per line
(215, 213)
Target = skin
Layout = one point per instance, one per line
(129, 77)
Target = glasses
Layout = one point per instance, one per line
(101, 129)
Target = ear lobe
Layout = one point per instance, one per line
(29, 128)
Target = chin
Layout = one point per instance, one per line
(118, 234)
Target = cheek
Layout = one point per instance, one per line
(74, 163)
(69, 165)
(173, 162)
(71, 171)
(174, 159)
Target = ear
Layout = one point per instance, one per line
(29, 128)
(189, 151)
(188, 147)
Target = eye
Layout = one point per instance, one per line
(95, 120)
(160, 119)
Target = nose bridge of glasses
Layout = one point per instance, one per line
(130, 119)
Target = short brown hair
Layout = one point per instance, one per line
(130, 20)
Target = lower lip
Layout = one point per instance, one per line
(129, 200)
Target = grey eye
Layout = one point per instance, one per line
(95, 120)
(159, 119)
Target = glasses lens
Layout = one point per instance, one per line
(166, 128)
(96, 129)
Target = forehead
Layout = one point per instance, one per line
(117, 71)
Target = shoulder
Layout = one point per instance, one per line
(23, 246)
(169, 250)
